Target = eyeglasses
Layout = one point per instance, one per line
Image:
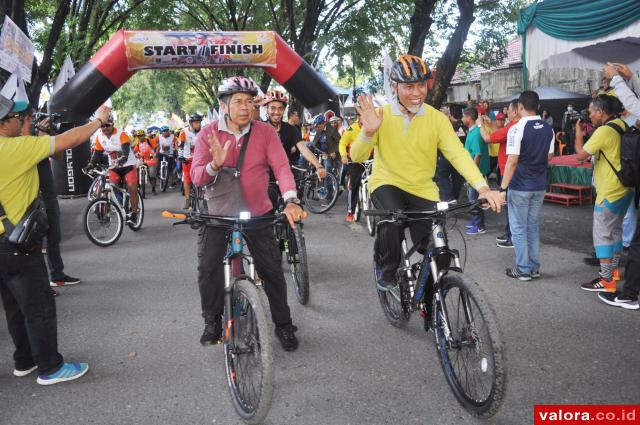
(107, 126)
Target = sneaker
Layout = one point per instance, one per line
(68, 372)
(505, 244)
(616, 275)
(23, 372)
(212, 332)
(517, 274)
(65, 281)
(133, 218)
(502, 238)
(617, 299)
(468, 226)
(287, 337)
(381, 284)
(535, 275)
(349, 218)
(475, 230)
(599, 285)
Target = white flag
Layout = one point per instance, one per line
(66, 73)
(388, 64)
(14, 89)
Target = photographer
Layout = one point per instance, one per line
(24, 285)
(613, 197)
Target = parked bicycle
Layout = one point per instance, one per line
(319, 195)
(247, 343)
(104, 216)
(454, 306)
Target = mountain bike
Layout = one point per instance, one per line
(319, 195)
(365, 203)
(452, 305)
(163, 172)
(143, 178)
(292, 243)
(105, 214)
(247, 343)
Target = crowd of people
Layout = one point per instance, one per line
(420, 156)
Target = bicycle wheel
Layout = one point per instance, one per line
(163, 184)
(320, 195)
(368, 205)
(248, 353)
(103, 222)
(470, 348)
(297, 258)
(391, 303)
(138, 224)
(94, 190)
(142, 184)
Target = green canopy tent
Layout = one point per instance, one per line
(579, 34)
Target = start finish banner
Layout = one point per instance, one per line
(173, 49)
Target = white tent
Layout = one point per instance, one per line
(543, 51)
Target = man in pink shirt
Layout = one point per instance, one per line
(500, 137)
(218, 145)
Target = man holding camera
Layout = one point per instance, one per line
(24, 285)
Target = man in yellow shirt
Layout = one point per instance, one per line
(406, 136)
(355, 168)
(613, 198)
(24, 283)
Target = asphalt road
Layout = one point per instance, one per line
(136, 320)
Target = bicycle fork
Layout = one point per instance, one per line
(232, 271)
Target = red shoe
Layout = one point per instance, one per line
(349, 218)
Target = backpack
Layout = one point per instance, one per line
(629, 173)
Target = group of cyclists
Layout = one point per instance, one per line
(122, 153)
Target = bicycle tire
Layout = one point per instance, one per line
(297, 258)
(142, 184)
(391, 305)
(138, 225)
(493, 360)
(104, 210)
(320, 196)
(163, 184)
(251, 314)
(371, 220)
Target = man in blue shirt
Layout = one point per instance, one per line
(529, 148)
(479, 151)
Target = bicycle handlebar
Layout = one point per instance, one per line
(197, 217)
(443, 208)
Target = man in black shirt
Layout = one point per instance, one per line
(449, 181)
(290, 136)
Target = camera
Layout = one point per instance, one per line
(583, 116)
(52, 127)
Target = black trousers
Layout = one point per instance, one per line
(355, 176)
(388, 244)
(212, 246)
(632, 273)
(54, 236)
(30, 309)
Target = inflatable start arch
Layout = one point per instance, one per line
(129, 51)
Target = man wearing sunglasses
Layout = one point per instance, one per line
(24, 283)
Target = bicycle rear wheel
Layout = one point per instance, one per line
(248, 353)
(470, 347)
(320, 195)
(297, 258)
(391, 303)
(103, 222)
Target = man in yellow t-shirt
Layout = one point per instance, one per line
(406, 136)
(24, 283)
(613, 198)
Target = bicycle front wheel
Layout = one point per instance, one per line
(142, 183)
(248, 353)
(320, 195)
(103, 222)
(297, 258)
(469, 345)
(368, 205)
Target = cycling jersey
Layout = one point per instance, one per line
(406, 152)
(166, 145)
(112, 146)
(147, 153)
(187, 142)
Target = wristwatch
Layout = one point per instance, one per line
(502, 189)
(293, 201)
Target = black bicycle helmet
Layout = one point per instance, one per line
(410, 69)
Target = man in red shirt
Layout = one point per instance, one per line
(500, 137)
(218, 145)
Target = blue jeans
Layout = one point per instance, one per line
(477, 217)
(629, 225)
(524, 221)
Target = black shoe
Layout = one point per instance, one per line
(502, 238)
(212, 332)
(133, 219)
(506, 244)
(65, 281)
(287, 337)
(517, 274)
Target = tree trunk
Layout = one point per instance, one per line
(420, 25)
(41, 77)
(448, 63)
